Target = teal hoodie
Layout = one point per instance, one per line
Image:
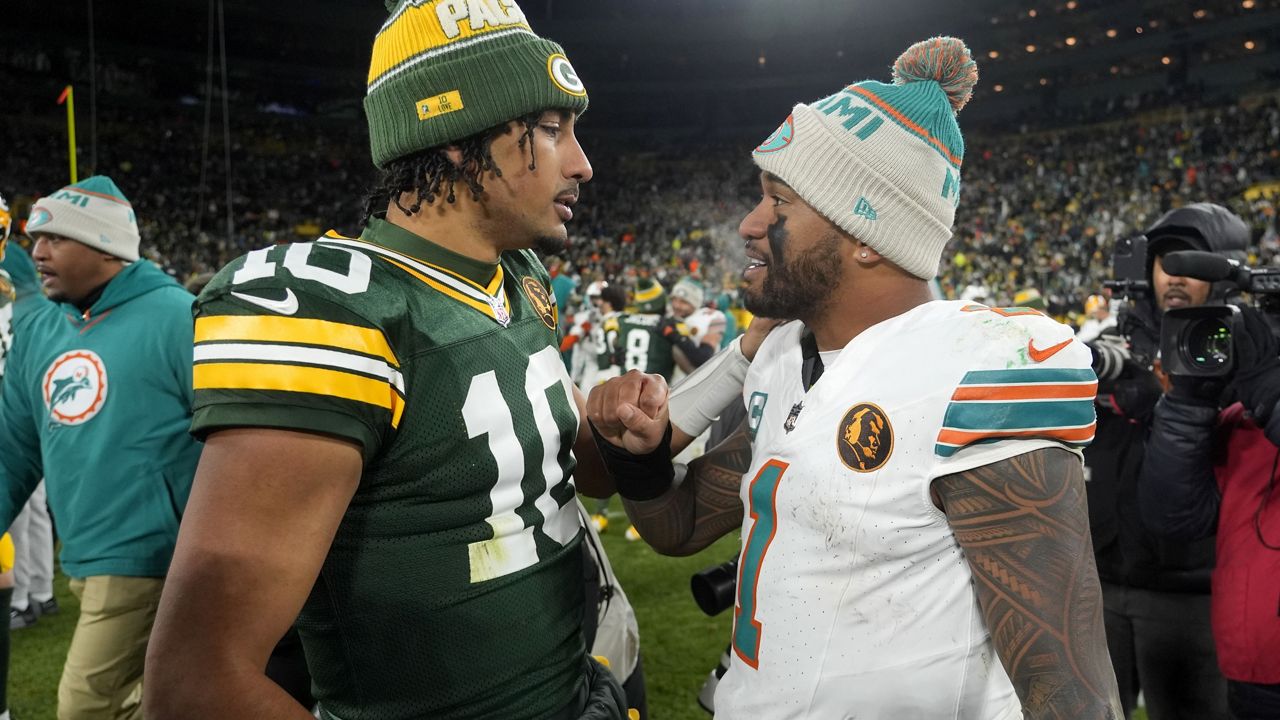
(99, 404)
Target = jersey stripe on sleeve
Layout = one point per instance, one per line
(342, 361)
(1048, 403)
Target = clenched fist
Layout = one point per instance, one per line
(631, 411)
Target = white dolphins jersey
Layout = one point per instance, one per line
(700, 322)
(854, 597)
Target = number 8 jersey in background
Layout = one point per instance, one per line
(453, 585)
(854, 597)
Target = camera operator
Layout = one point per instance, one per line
(1155, 590)
(1210, 466)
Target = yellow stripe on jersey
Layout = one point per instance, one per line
(295, 378)
(450, 292)
(490, 290)
(270, 328)
(397, 409)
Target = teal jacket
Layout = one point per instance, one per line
(99, 404)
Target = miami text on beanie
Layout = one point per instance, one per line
(882, 161)
(93, 212)
(443, 70)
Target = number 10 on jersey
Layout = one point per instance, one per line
(763, 495)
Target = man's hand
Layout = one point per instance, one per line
(630, 411)
(757, 331)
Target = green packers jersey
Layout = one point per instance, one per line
(7, 296)
(453, 588)
(639, 345)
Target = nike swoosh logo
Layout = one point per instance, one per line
(1042, 355)
(287, 306)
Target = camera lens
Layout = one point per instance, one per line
(714, 588)
(1208, 344)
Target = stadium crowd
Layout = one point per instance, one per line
(1041, 207)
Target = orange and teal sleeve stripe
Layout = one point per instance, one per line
(1045, 403)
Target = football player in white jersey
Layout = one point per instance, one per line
(581, 338)
(704, 325)
(909, 484)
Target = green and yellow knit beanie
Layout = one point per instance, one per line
(443, 70)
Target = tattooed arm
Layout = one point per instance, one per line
(1024, 528)
(632, 412)
(701, 508)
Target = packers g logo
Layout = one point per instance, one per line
(541, 301)
(864, 439)
(780, 138)
(564, 76)
(75, 387)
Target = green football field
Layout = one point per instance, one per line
(679, 644)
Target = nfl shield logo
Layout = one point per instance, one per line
(500, 312)
(794, 415)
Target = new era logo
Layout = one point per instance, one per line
(864, 209)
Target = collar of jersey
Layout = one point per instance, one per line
(405, 250)
(393, 237)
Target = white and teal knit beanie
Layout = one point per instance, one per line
(93, 212)
(883, 161)
(690, 291)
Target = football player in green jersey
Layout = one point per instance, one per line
(390, 432)
(647, 339)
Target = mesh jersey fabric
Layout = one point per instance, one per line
(452, 588)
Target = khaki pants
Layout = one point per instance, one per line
(102, 679)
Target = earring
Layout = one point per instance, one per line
(864, 254)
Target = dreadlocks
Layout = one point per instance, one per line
(430, 174)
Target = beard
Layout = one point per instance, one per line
(800, 288)
(549, 244)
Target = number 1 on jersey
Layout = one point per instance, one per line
(763, 494)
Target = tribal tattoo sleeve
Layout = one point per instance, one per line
(701, 508)
(1024, 527)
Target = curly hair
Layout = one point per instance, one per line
(430, 174)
